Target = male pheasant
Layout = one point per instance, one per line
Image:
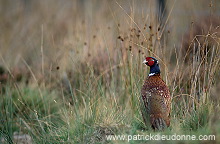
(156, 98)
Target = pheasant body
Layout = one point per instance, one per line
(156, 99)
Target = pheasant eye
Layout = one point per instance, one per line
(150, 61)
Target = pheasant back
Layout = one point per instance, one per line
(156, 102)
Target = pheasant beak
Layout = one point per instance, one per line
(144, 62)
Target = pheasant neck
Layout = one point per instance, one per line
(154, 70)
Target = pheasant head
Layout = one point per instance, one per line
(153, 64)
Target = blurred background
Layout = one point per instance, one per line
(58, 38)
(86, 27)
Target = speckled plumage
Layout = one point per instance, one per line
(156, 102)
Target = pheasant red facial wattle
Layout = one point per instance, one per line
(155, 100)
(149, 61)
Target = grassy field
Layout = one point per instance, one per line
(71, 72)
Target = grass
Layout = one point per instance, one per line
(78, 84)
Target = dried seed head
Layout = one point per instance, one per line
(158, 29)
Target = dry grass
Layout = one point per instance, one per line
(81, 62)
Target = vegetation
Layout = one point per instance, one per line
(72, 73)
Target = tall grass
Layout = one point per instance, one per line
(86, 79)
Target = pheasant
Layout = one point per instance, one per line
(156, 100)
